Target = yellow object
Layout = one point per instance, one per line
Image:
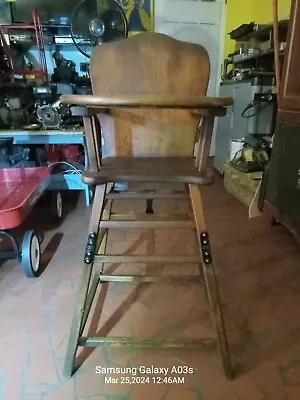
(241, 185)
(139, 20)
(237, 13)
(242, 12)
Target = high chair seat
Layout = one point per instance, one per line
(156, 169)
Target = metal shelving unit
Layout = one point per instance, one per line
(38, 31)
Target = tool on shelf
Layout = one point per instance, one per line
(29, 73)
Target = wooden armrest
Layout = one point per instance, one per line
(210, 112)
(148, 101)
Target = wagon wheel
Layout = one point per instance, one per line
(56, 206)
(31, 254)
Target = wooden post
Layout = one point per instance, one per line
(205, 135)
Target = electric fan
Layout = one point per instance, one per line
(95, 22)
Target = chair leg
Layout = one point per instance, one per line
(210, 280)
(84, 298)
(149, 206)
(101, 212)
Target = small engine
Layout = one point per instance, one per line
(53, 116)
(12, 114)
(5, 119)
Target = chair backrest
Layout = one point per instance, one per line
(149, 64)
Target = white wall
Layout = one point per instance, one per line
(200, 22)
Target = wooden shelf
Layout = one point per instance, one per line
(257, 56)
(264, 33)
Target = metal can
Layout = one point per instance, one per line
(235, 146)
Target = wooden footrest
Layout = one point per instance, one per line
(146, 195)
(149, 278)
(140, 259)
(147, 342)
(147, 224)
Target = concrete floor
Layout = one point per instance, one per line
(259, 275)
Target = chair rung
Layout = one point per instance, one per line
(146, 195)
(150, 278)
(150, 217)
(147, 342)
(147, 224)
(123, 259)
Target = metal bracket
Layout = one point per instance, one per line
(15, 252)
(90, 249)
(205, 248)
(149, 206)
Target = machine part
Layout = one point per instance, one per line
(97, 22)
(48, 116)
(13, 113)
(236, 145)
(65, 88)
(26, 37)
(14, 103)
(59, 20)
(6, 142)
(21, 37)
(5, 151)
(5, 61)
(31, 254)
(5, 117)
(14, 156)
(19, 154)
(52, 116)
(18, 118)
(42, 92)
(241, 73)
(64, 73)
(239, 57)
(63, 39)
(250, 159)
(242, 30)
(265, 97)
(65, 70)
(32, 127)
(40, 73)
(84, 67)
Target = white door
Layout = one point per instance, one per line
(196, 21)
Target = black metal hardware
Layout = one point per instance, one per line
(149, 206)
(90, 249)
(205, 248)
(10, 254)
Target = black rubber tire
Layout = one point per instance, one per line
(31, 254)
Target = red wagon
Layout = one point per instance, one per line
(20, 189)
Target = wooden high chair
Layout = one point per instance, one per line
(150, 106)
